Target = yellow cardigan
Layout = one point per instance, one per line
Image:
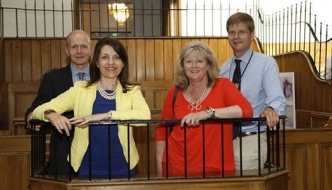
(130, 105)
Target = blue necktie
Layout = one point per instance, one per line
(81, 75)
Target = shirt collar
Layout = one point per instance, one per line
(245, 57)
(74, 71)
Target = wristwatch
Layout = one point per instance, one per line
(48, 112)
(211, 111)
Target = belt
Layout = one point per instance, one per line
(244, 134)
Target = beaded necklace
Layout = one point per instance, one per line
(104, 94)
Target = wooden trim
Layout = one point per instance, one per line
(274, 181)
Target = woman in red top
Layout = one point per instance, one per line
(202, 95)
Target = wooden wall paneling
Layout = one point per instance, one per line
(46, 55)
(8, 59)
(159, 97)
(176, 50)
(2, 61)
(313, 169)
(206, 41)
(153, 88)
(16, 60)
(26, 60)
(14, 162)
(302, 119)
(214, 46)
(224, 51)
(140, 60)
(130, 45)
(10, 179)
(64, 58)
(184, 42)
(304, 98)
(220, 51)
(271, 182)
(148, 95)
(169, 62)
(299, 90)
(326, 166)
(56, 53)
(20, 97)
(4, 109)
(306, 151)
(36, 60)
(147, 161)
(150, 53)
(159, 72)
(326, 93)
(296, 164)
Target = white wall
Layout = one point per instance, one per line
(38, 23)
(195, 23)
(212, 21)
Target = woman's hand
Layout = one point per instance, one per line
(193, 119)
(83, 120)
(60, 122)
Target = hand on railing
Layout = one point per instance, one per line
(60, 122)
(193, 119)
(83, 120)
(272, 118)
(35, 127)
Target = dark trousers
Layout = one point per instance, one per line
(59, 151)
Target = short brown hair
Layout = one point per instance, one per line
(241, 17)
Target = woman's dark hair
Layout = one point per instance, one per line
(121, 51)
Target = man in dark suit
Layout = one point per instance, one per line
(56, 82)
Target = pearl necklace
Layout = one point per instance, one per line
(104, 94)
(195, 105)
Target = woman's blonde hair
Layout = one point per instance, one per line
(181, 78)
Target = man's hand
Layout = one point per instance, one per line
(36, 127)
(272, 118)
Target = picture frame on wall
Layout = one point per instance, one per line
(288, 88)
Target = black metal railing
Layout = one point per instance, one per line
(275, 159)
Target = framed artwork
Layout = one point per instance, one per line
(288, 87)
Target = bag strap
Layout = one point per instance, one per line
(173, 102)
(174, 97)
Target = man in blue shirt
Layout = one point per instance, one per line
(259, 83)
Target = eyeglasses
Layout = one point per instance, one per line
(240, 33)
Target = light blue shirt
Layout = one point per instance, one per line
(260, 84)
(74, 73)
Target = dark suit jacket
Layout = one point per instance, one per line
(54, 83)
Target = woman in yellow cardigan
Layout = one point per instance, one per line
(108, 95)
